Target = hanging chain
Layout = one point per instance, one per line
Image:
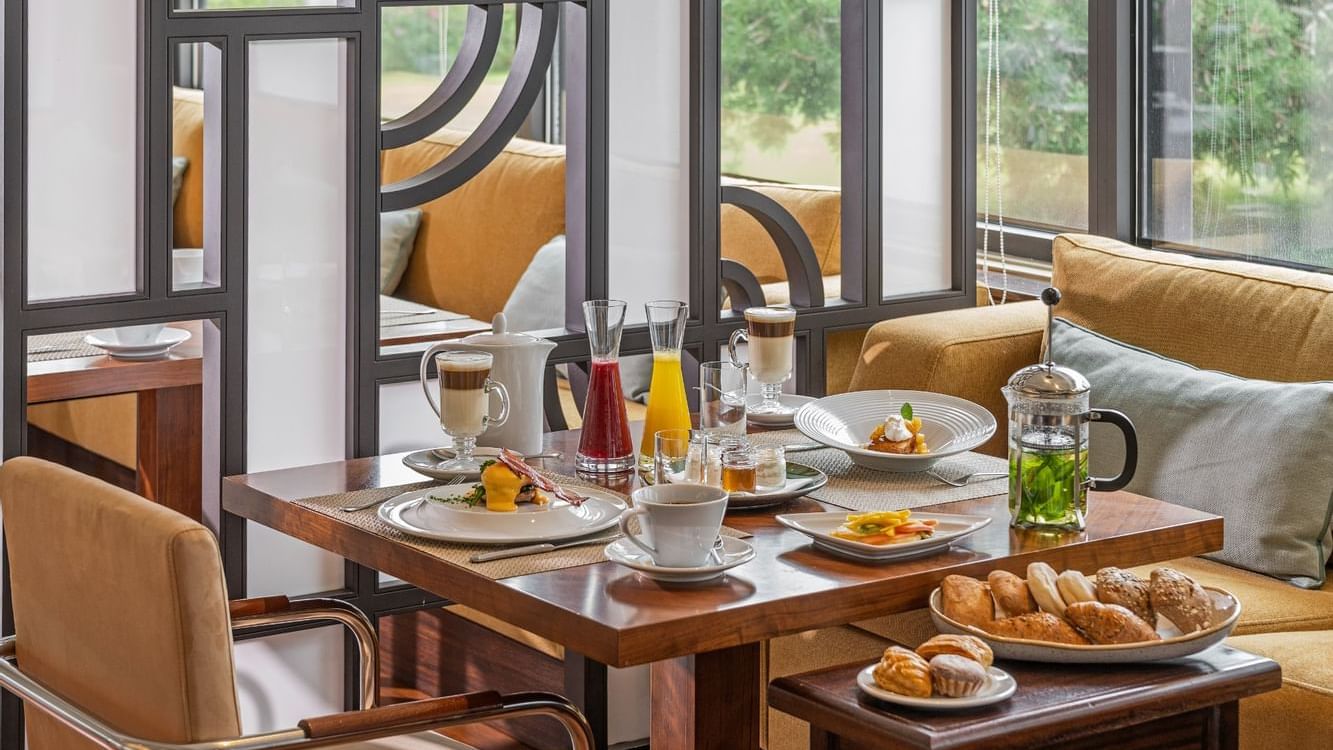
(992, 157)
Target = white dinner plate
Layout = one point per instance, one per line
(416, 514)
(734, 552)
(427, 463)
(790, 400)
(167, 339)
(801, 481)
(1174, 644)
(1000, 685)
(819, 527)
(951, 425)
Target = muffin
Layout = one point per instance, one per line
(956, 676)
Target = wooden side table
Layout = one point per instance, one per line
(1188, 703)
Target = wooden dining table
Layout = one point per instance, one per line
(703, 642)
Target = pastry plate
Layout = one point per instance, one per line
(1000, 685)
(427, 463)
(1174, 644)
(166, 340)
(734, 552)
(801, 481)
(789, 400)
(416, 514)
(819, 527)
(951, 425)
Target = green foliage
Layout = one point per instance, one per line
(411, 38)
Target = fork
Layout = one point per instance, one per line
(373, 503)
(966, 478)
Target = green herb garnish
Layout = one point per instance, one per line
(474, 497)
(906, 411)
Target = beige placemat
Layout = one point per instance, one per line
(460, 554)
(855, 488)
(53, 346)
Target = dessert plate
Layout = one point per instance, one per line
(166, 340)
(734, 552)
(1000, 685)
(427, 463)
(417, 514)
(801, 481)
(819, 527)
(790, 400)
(1174, 644)
(951, 425)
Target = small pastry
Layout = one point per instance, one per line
(903, 672)
(1011, 593)
(1179, 599)
(966, 601)
(1041, 626)
(966, 646)
(956, 676)
(1109, 623)
(1041, 582)
(1075, 587)
(1116, 586)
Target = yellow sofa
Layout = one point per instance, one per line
(1219, 315)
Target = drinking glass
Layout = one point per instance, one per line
(770, 335)
(463, 406)
(605, 446)
(686, 456)
(723, 388)
(667, 407)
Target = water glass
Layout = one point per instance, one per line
(686, 456)
(722, 393)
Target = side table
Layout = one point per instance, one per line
(1186, 703)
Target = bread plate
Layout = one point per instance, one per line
(1000, 685)
(1174, 644)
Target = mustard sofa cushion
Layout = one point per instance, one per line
(187, 140)
(1299, 715)
(1267, 605)
(817, 209)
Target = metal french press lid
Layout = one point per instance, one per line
(1048, 380)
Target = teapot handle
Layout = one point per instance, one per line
(1131, 451)
(428, 356)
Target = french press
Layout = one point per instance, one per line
(1049, 418)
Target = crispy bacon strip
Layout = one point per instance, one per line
(516, 464)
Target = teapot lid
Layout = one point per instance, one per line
(1047, 379)
(500, 336)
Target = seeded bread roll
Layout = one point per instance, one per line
(1179, 599)
(1011, 593)
(1109, 623)
(966, 601)
(1041, 626)
(1041, 582)
(1116, 586)
(1075, 587)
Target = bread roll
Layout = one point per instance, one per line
(1075, 587)
(1040, 626)
(1011, 593)
(1179, 599)
(1116, 586)
(1109, 623)
(1041, 582)
(966, 601)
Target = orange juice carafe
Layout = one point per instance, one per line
(667, 407)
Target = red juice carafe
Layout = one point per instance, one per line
(606, 446)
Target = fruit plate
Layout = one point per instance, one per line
(819, 527)
(951, 425)
(1174, 644)
(1000, 685)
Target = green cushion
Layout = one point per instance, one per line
(1256, 452)
(398, 236)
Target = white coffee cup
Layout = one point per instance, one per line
(679, 523)
(137, 335)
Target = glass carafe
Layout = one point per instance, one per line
(667, 407)
(605, 446)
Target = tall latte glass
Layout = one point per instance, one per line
(770, 336)
(464, 404)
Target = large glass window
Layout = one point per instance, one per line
(1239, 130)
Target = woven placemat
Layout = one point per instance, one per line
(460, 554)
(858, 489)
(53, 346)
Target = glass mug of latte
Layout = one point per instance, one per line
(770, 336)
(464, 404)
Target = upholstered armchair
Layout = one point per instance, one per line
(124, 635)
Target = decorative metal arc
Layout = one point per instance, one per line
(798, 255)
(741, 286)
(537, 27)
(481, 39)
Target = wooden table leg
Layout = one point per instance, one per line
(707, 701)
(171, 425)
(585, 685)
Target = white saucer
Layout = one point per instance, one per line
(427, 463)
(167, 339)
(789, 400)
(734, 552)
(998, 688)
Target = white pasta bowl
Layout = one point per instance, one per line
(951, 425)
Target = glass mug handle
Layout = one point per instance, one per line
(737, 336)
(493, 387)
(1131, 450)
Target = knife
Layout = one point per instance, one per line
(536, 549)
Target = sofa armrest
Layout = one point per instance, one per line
(968, 353)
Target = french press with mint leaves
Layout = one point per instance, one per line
(1049, 418)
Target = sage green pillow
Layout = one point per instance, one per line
(1256, 452)
(398, 237)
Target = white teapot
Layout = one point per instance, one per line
(520, 364)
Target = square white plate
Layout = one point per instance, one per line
(820, 526)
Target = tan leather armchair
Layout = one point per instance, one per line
(124, 635)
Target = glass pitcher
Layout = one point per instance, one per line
(667, 407)
(605, 446)
(1049, 417)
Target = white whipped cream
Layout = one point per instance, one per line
(895, 429)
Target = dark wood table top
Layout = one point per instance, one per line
(612, 615)
(101, 375)
(1052, 701)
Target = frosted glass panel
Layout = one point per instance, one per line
(297, 275)
(648, 108)
(406, 420)
(260, 4)
(82, 173)
(284, 678)
(916, 181)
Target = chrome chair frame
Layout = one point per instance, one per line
(251, 614)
